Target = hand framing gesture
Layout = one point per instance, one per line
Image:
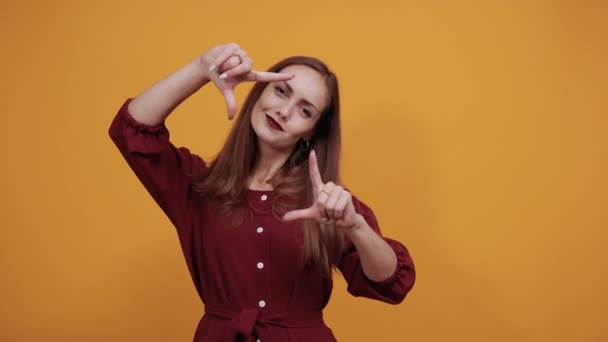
(228, 66)
(332, 205)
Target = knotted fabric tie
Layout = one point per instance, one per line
(245, 321)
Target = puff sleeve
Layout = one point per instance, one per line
(392, 290)
(162, 168)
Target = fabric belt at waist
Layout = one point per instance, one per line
(244, 321)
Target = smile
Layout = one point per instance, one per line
(272, 123)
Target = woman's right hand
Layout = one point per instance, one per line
(228, 65)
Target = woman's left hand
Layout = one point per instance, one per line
(333, 204)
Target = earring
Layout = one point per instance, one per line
(306, 145)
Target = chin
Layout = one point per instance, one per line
(277, 144)
(272, 140)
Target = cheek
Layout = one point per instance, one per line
(301, 126)
(260, 106)
(266, 99)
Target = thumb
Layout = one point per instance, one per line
(230, 102)
(299, 214)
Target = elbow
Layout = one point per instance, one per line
(404, 286)
(112, 134)
(114, 129)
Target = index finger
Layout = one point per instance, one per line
(263, 76)
(315, 175)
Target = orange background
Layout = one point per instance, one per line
(476, 130)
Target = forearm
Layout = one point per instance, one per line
(378, 260)
(152, 106)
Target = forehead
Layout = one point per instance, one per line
(308, 84)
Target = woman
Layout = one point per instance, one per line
(264, 224)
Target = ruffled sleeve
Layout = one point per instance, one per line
(391, 290)
(162, 168)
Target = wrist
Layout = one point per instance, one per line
(358, 229)
(201, 69)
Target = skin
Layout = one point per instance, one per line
(294, 104)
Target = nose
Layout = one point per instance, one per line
(283, 112)
(285, 108)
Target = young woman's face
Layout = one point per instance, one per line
(287, 111)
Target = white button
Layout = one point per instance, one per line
(260, 265)
(260, 229)
(264, 197)
(262, 303)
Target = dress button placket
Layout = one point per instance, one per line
(260, 265)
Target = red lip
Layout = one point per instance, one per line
(272, 122)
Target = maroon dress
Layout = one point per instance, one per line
(249, 278)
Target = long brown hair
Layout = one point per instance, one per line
(225, 181)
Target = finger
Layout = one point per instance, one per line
(240, 69)
(300, 214)
(341, 204)
(263, 76)
(330, 204)
(228, 51)
(238, 58)
(322, 198)
(315, 174)
(230, 102)
(230, 63)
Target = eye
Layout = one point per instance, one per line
(279, 90)
(307, 112)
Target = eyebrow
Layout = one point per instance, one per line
(303, 100)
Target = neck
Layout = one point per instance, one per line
(269, 162)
